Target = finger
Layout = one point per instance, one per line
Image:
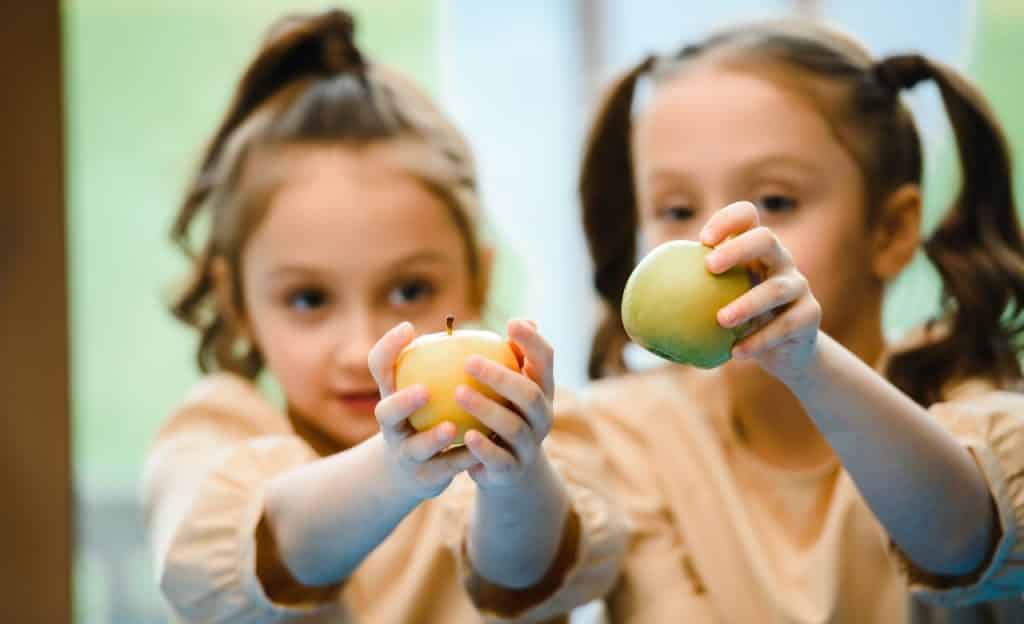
(539, 356)
(393, 412)
(759, 246)
(458, 459)
(506, 424)
(735, 218)
(802, 318)
(423, 445)
(382, 356)
(778, 291)
(518, 389)
(489, 454)
(449, 462)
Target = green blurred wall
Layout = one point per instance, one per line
(146, 82)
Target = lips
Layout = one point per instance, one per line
(359, 401)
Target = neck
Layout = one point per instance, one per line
(769, 419)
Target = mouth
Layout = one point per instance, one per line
(361, 401)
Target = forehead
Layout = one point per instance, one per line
(347, 208)
(714, 112)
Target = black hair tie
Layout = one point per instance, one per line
(902, 71)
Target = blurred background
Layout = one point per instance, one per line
(146, 82)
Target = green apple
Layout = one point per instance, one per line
(671, 302)
(438, 361)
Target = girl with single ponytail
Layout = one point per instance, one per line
(758, 490)
(334, 207)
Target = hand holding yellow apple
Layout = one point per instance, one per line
(422, 462)
(511, 460)
(438, 361)
(469, 386)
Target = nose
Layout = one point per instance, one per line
(357, 333)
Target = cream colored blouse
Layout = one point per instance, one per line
(215, 560)
(719, 536)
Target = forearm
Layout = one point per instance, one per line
(923, 486)
(328, 515)
(516, 533)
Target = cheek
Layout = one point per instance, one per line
(293, 354)
(832, 258)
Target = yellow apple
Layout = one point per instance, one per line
(438, 361)
(671, 302)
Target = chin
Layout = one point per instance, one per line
(352, 429)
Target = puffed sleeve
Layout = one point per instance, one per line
(989, 423)
(203, 487)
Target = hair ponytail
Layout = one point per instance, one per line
(609, 215)
(977, 248)
(296, 48)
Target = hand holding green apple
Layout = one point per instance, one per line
(693, 302)
(671, 300)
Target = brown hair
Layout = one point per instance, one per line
(308, 84)
(977, 247)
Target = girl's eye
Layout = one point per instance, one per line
(409, 292)
(676, 213)
(307, 299)
(776, 203)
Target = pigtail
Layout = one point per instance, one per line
(977, 248)
(610, 216)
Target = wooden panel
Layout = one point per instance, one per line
(34, 395)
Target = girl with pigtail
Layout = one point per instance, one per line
(822, 474)
(341, 206)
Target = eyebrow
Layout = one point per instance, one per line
(419, 257)
(784, 160)
(427, 256)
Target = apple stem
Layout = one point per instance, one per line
(449, 322)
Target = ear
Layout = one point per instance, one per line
(897, 232)
(228, 305)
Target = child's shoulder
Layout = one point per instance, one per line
(229, 402)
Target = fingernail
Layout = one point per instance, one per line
(711, 261)
(726, 317)
(422, 394)
(705, 236)
(474, 364)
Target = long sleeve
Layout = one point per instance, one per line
(990, 424)
(593, 540)
(203, 489)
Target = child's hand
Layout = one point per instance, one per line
(520, 429)
(784, 313)
(419, 458)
